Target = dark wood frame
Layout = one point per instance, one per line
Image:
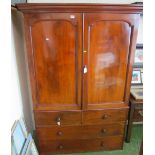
(79, 7)
(139, 46)
(138, 65)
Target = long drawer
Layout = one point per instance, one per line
(104, 116)
(79, 132)
(71, 146)
(46, 118)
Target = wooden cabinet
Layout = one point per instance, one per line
(80, 59)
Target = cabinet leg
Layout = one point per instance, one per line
(130, 121)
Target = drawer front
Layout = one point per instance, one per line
(79, 132)
(138, 115)
(104, 116)
(71, 146)
(57, 118)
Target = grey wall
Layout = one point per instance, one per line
(19, 48)
(17, 1)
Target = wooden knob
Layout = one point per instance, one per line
(103, 131)
(60, 147)
(105, 116)
(59, 133)
(102, 144)
(58, 119)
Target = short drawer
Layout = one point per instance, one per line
(79, 132)
(138, 115)
(104, 116)
(47, 118)
(71, 146)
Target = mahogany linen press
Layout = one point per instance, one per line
(80, 59)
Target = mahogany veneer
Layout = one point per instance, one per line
(80, 59)
(70, 146)
(46, 118)
(104, 116)
(81, 132)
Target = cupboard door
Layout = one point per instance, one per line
(109, 42)
(55, 59)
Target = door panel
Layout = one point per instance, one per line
(107, 40)
(56, 42)
(108, 58)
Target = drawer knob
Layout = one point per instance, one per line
(60, 147)
(103, 131)
(105, 116)
(102, 144)
(58, 121)
(59, 133)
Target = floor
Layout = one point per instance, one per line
(131, 148)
